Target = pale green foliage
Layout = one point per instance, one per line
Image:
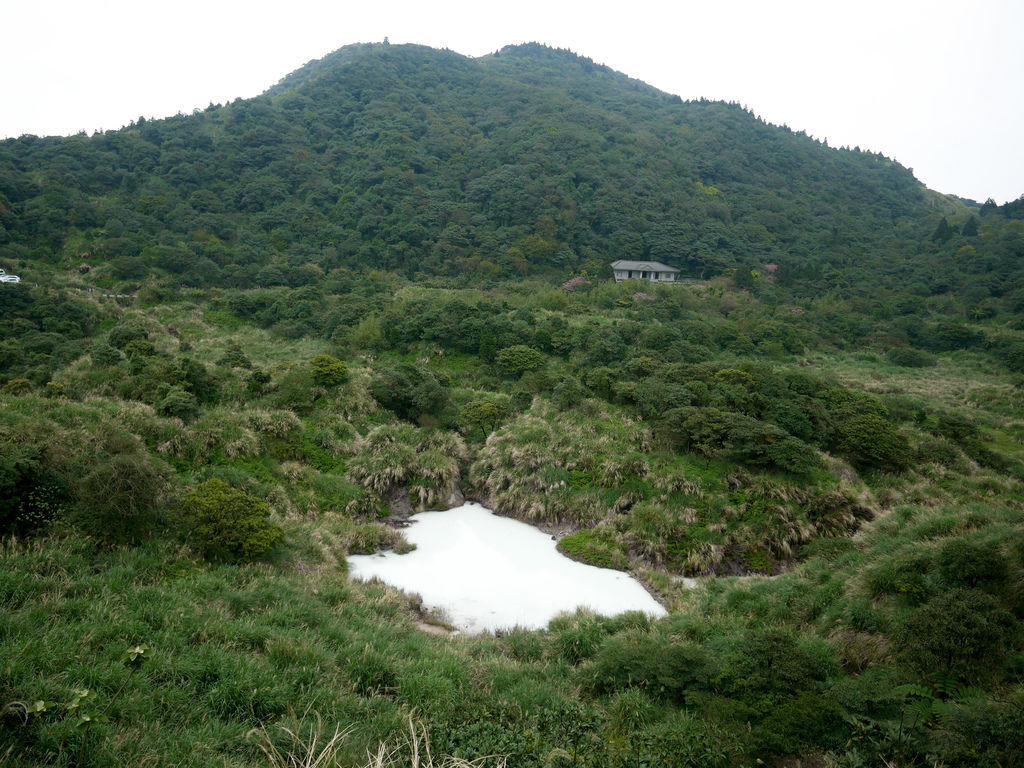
(516, 360)
(328, 371)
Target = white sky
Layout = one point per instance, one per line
(938, 85)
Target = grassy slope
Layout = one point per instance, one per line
(269, 645)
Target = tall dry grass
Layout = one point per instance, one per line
(312, 747)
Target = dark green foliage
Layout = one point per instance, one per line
(1010, 351)
(792, 455)
(138, 350)
(667, 670)
(257, 382)
(122, 335)
(31, 494)
(152, 378)
(569, 392)
(870, 441)
(106, 355)
(410, 391)
(943, 232)
(179, 403)
(295, 389)
(966, 563)
(808, 721)
(962, 633)
(711, 432)
(904, 575)
(911, 358)
(120, 493)
(983, 735)
(777, 662)
(228, 524)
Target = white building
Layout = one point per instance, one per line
(654, 271)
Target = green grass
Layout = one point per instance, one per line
(588, 546)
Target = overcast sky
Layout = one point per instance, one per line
(937, 85)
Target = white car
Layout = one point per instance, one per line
(4, 278)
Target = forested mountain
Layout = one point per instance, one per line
(247, 339)
(527, 161)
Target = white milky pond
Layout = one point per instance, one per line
(488, 572)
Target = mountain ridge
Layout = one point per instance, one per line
(529, 160)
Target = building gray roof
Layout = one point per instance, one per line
(649, 266)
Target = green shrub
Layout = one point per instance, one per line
(807, 720)
(484, 414)
(777, 662)
(105, 355)
(666, 669)
(121, 497)
(328, 371)
(31, 494)
(870, 441)
(962, 633)
(178, 403)
(685, 740)
(410, 391)
(970, 564)
(908, 357)
(18, 386)
(793, 455)
(235, 357)
(120, 336)
(227, 524)
(577, 637)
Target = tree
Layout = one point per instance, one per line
(703, 431)
(513, 362)
(130, 331)
(485, 414)
(228, 524)
(943, 232)
(234, 357)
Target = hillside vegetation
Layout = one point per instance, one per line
(249, 338)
